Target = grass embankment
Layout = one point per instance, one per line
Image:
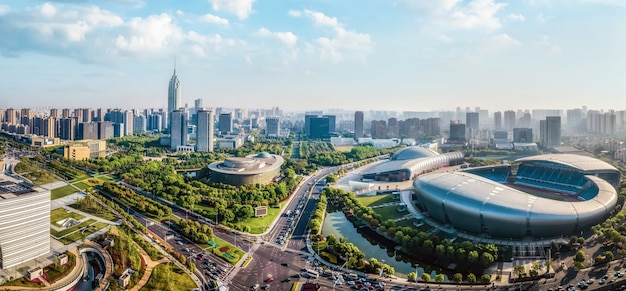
(62, 192)
(60, 214)
(169, 277)
(369, 201)
(257, 224)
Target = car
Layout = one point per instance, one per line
(269, 280)
(602, 281)
(254, 287)
(285, 264)
(179, 242)
(295, 275)
(286, 280)
(266, 286)
(590, 281)
(620, 275)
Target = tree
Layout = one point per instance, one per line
(439, 278)
(472, 256)
(486, 258)
(609, 256)
(458, 277)
(485, 278)
(411, 277)
(471, 278)
(519, 270)
(580, 257)
(426, 277)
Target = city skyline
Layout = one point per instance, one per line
(250, 54)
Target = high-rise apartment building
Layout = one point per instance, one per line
(205, 131)
(11, 116)
(471, 120)
(550, 131)
(226, 123)
(140, 123)
(54, 113)
(522, 135)
(67, 128)
(178, 128)
(497, 120)
(358, 124)
(87, 115)
(509, 120)
(66, 113)
(457, 132)
(174, 97)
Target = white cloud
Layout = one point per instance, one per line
(517, 17)
(180, 13)
(341, 45)
(544, 18)
(4, 9)
(456, 14)
(90, 34)
(286, 38)
(444, 38)
(210, 18)
(241, 8)
(295, 13)
(550, 48)
(499, 42)
(619, 3)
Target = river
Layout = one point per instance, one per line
(337, 224)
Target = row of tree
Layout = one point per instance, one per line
(141, 203)
(315, 224)
(199, 233)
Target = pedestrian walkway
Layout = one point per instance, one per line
(108, 261)
(150, 265)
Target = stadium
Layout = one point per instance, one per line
(544, 196)
(261, 168)
(409, 162)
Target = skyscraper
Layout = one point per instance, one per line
(205, 135)
(471, 120)
(497, 120)
(226, 122)
(550, 131)
(178, 128)
(509, 120)
(272, 126)
(358, 124)
(174, 99)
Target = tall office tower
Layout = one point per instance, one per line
(522, 135)
(509, 120)
(155, 121)
(2, 115)
(87, 115)
(497, 120)
(27, 118)
(524, 120)
(140, 123)
(11, 116)
(198, 104)
(67, 128)
(205, 136)
(122, 120)
(66, 113)
(332, 123)
(457, 132)
(178, 128)
(550, 131)
(44, 126)
(471, 120)
(106, 130)
(358, 124)
(174, 98)
(54, 113)
(225, 122)
(87, 130)
(320, 127)
(99, 115)
(78, 114)
(272, 126)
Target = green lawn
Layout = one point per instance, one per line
(389, 212)
(259, 224)
(59, 234)
(174, 280)
(59, 214)
(370, 201)
(99, 212)
(76, 236)
(81, 185)
(62, 192)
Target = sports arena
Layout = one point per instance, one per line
(542, 196)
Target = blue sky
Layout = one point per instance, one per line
(416, 55)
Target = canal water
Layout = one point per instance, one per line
(337, 224)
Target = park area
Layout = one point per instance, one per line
(168, 276)
(71, 226)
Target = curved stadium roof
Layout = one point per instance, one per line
(411, 153)
(584, 163)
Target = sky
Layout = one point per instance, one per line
(402, 55)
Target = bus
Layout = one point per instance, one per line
(311, 273)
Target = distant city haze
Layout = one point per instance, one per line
(403, 55)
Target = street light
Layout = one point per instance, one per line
(416, 272)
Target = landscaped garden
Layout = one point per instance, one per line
(60, 214)
(169, 277)
(62, 192)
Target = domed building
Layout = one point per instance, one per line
(409, 162)
(261, 168)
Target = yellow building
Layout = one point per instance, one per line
(85, 150)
